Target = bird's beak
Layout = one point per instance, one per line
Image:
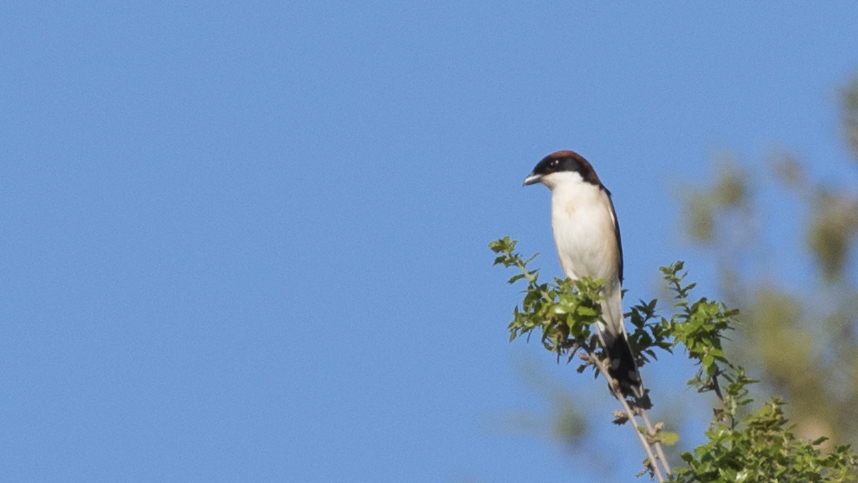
(532, 179)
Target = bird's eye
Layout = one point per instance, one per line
(555, 163)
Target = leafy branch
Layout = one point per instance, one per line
(565, 312)
(744, 445)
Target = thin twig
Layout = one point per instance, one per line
(658, 448)
(653, 461)
(716, 386)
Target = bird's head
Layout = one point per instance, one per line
(560, 168)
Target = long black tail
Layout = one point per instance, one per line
(623, 367)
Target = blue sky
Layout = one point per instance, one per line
(246, 241)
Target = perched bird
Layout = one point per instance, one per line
(587, 236)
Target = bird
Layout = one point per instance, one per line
(587, 236)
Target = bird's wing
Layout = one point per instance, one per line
(619, 241)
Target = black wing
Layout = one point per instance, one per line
(619, 240)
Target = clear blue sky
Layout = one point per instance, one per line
(246, 241)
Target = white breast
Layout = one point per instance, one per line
(584, 231)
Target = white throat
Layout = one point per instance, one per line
(562, 179)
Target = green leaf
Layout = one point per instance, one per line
(516, 278)
(668, 437)
(582, 310)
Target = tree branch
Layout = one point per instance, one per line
(658, 448)
(615, 388)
